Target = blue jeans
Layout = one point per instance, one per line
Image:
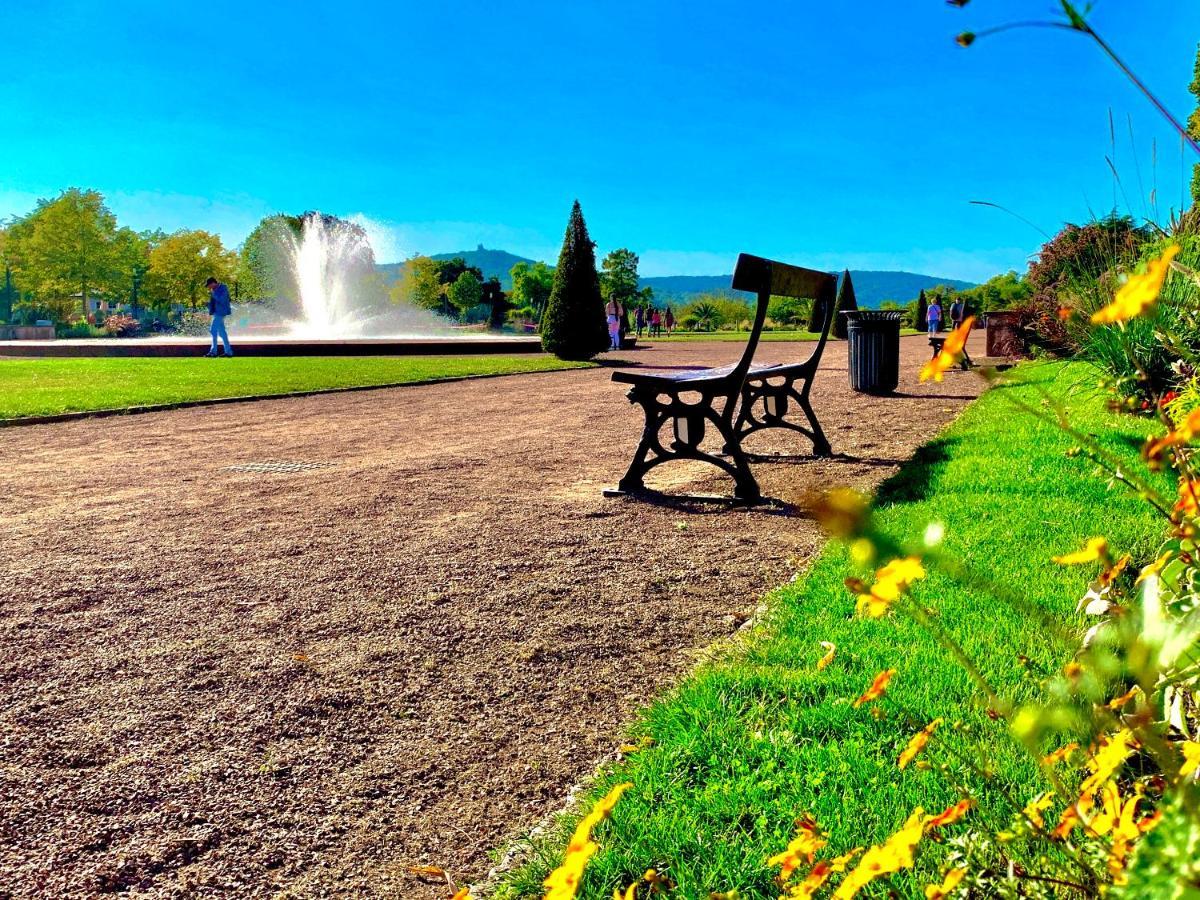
(217, 330)
(933, 327)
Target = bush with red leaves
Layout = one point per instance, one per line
(121, 326)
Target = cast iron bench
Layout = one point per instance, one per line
(719, 390)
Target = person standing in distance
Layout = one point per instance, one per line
(218, 307)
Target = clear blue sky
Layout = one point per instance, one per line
(828, 133)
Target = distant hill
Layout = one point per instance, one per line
(493, 264)
(871, 288)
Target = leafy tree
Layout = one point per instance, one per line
(790, 312)
(846, 302)
(531, 286)
(573, 326)
(264, 264)
(465, 293)
(419, 284)
(182, 262)
(63, 247)
(700, 315)
(619, 279)
(131, 262)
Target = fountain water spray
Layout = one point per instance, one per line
(330, 260)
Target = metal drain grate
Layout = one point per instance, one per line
(277, 466)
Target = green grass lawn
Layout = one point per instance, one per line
(39, 387)
(742, 336)
(758, 737)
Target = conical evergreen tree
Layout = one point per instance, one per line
(846, 302)
(1193, 126)
(922, 309)
(573, 326)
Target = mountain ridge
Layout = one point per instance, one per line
(871, 286)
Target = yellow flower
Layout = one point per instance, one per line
(630, 893)
(1116, 703)
(803, 848)
(1034, 808)
(890, 582)
(1060, 754)
(1191, 758)
(830, 650)
(464, 894)
(1116, 816)
(842, 512)
(917, 744)
(1139, 293)
(894, 854)
(951, 353)
(1096, 548)
(947, 887)
(878, 686)
(1154, 568)
(1114, 750)
(1073, 815)
(563, 882)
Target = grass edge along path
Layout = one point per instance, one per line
(32, 388)
(758, 737)
(743, 336)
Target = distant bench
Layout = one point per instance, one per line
(759, 395)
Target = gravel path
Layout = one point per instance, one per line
(298, 683)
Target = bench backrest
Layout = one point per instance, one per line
(768, 278)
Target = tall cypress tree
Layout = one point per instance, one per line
(922, 310)
(1193, 126)
(573, 326)
(846, 302)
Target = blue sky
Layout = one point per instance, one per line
(824, 133)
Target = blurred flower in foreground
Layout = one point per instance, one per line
(894, 854)
(1139, 293)
(917, 744)
(951, 353)
(946, 888)
(563, 882)
(890, 582)
(842, 512)
(803, 848)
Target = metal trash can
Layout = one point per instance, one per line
(874, 350)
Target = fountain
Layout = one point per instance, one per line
(327, 300)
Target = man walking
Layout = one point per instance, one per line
(218, 307)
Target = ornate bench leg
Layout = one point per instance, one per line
(633, 479)
(821, 445)
(745, 485)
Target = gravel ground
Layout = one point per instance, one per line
(301, 683)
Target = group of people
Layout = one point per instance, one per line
(652, 321)
(933, 315)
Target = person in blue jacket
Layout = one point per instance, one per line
(218, 307)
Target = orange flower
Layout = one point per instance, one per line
(1116, 703)
(917, 744)
(1073, 815)
(1060, 754)
(890, 582)
(1154, 568)
(894, 854)
(878, 686)
(1188, 504)
(563, 882)
(803, 848)
(1139, 293)
(952, 351)
(464, 894)
(830, 650)
(950, 814)
(947, 887)
(1156, 448)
